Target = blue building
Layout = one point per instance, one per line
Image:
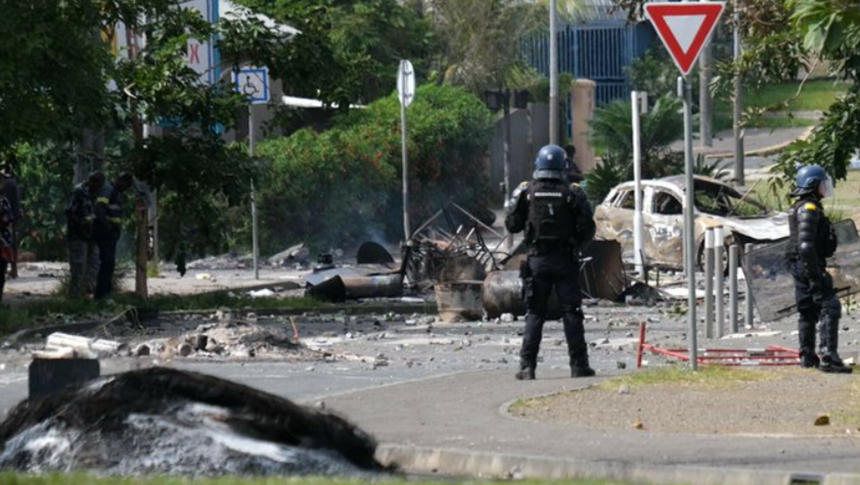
(599, 45)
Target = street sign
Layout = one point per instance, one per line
(684, 28)
(406, 83)
(253, 83)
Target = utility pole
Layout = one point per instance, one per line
(553, 72)
(705, 103)
(737, 105)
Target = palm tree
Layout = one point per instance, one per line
(482, 39)
(611, 132)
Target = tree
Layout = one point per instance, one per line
(611, 131)
(481, 40)
(830, 29)
(73, 79)
(348, 50)
(52, 70)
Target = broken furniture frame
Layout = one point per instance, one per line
(772, 355)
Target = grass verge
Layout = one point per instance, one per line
(705, 378)
(14, 479)
(56, 310)
(816, 95)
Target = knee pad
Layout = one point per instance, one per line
(832, 308)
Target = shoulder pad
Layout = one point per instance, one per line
(810, 206)
(520, 189)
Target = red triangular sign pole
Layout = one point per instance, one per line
(684, 28)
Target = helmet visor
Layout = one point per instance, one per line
(825, 188)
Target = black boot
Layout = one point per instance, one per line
(808, 360)
(526, 373)
(832, 364)
(577, 349)
(830, 361)
(579, 371)
(806, 338)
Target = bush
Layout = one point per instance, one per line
(45, 178)
(343, 186)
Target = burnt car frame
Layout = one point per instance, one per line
(744, 219)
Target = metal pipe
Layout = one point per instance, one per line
(719, 284)
(501, 294)
(686, 91)
(709, 283)
(734, 255)
(748, 320)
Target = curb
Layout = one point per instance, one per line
(486, 465)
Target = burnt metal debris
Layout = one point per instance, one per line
(744, 219)
(769, 276)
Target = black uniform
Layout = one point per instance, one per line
(812, 241)
(558, 223)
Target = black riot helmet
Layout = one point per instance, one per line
(551, 163)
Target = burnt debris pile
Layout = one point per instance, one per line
(165, 421)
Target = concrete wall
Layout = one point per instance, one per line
(525, 142)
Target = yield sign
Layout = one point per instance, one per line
(684, 27)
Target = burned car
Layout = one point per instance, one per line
(744, 219)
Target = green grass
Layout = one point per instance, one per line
(723, 121)
(816, 96)
(53, 310)
(705, 377)
(837, 207)
(14, 479)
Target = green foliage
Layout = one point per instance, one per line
(611, 132)
(833, 32)
(45, 177)
(348, 51)
(52, 70)
(715, 170)
(482, 39)
(611, 171)
(654, 73)
(199, 179)
(343, 185)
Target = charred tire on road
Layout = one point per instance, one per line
(166, 421)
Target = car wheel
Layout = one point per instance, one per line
(727, 243)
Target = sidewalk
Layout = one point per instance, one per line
(458, 425)
(757, 141)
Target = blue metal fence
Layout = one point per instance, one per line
(600, 52)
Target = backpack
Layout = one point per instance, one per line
(550, 223)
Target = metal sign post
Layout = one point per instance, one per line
(406, 93)
(684, 28)
(253, 83)
(686, 91)
(636, 108)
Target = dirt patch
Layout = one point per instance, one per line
(774, 402)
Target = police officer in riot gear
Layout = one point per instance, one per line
(812, 241)
(558, 223)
